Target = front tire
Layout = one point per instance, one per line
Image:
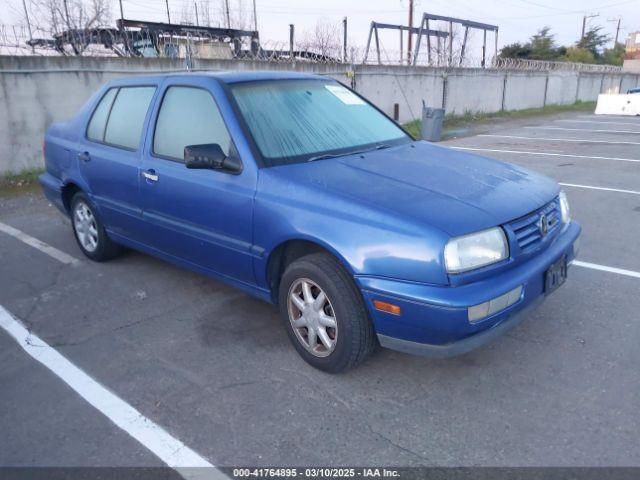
(324, 314)
(89, 230)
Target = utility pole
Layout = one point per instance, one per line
(409, 32)
(255, 17)
(66, 14)
(344, 39)
(26, 14)
(226, 9)
(195, 4)
(168, 15)
(125, 40)
(584, 23)
(450, 44)
(615, 42)
(291, 33)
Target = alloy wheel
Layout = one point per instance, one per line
(312, 317)
(85, 226)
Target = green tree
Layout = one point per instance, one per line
(543, 45)
(594, 41)
(578, 55)
(615, 55)
(515, 50)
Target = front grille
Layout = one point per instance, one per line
(527, 231)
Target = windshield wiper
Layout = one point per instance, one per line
(328, 155)
(324, 156)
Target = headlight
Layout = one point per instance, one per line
(475, 250)
(564, 207)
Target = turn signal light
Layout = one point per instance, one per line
(387, 307)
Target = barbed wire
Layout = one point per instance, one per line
(544, 65)
(197, 44)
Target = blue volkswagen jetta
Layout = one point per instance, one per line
(298, 191)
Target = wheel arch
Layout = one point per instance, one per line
(68, 190)
(291, 250)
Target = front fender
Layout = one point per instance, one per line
(366, 241)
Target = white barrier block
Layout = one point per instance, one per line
(617, 104)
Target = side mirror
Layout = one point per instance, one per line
(210, 156)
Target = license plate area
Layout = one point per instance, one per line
(555, 275)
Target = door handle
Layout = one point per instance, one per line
(150, 175)
(84, 156)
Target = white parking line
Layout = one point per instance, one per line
(636, 132)
(166, 447)
(604, 268)
(603, 117)
(599, 121)
(545, 154)
(39, 245)
(576, 140)
(606, 189)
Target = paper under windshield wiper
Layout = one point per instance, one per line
(324, 156)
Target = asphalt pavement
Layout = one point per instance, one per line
(214, 368)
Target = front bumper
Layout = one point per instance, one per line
(434, 319)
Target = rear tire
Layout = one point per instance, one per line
(89, 230)
(324, 314)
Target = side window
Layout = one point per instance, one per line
(125, 122)
(98, 122)
(188, 116)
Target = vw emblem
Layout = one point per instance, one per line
(543, 224)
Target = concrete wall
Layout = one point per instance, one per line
(473, 91)
(629, 81)
(611, 84)
(562, 87)
(589, 86)
(631, 65)
(35, 91)
(524, 90)
(404, 86)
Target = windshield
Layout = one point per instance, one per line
(295, 121)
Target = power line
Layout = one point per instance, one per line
(530, 2)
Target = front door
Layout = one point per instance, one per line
(203, 217)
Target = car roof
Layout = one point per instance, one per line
(228, 77)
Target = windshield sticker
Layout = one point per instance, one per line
(345, 96)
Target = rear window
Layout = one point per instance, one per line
(126, 119)
(119, 117)
(100, 114)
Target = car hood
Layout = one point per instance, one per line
(454, 191)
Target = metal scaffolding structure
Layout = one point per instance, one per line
(373, 32)
(467, 24)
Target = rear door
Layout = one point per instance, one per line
(110, 156)
(203, 217)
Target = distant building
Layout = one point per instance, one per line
(632, 46)
(632, 53)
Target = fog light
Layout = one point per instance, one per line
(486, 309)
